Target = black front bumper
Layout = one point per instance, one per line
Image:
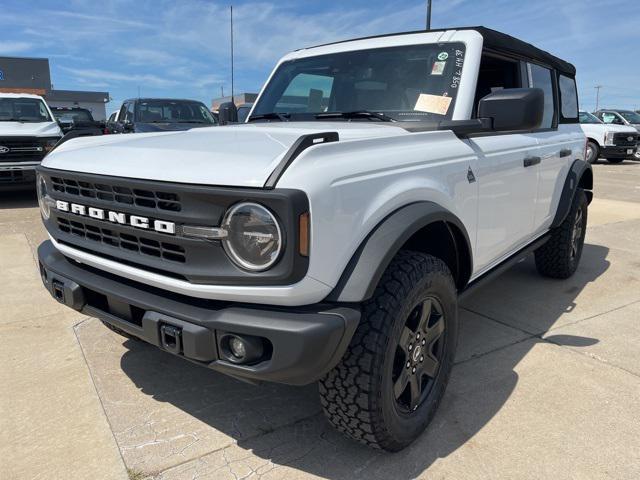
(619, 152)
(16, 177)
(305, 342)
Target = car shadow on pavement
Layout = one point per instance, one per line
(26, 198)
(269, 420)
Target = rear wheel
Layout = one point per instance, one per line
(615, 160)
(560, 256)
(593, 152)
(389, 383)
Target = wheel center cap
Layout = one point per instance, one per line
(416, 353)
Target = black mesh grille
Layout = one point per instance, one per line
(29, 149)
(622, 139)
(113, 193)
(125, 241)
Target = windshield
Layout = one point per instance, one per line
(173, 111)
(78, 115)
(586, 117)
(23, 110)
(407, 83)
(631, 117)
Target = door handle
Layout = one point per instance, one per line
(531, 161)
(565, 152)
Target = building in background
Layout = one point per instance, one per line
(239, 99)
(32, 75)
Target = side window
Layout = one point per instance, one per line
(496, 73)
(122, 112)
(128, 112)
(608, 117)
(541, 77)
(568, 99)
(307, 92)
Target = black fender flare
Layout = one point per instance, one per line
(580, 175)
(363, 272)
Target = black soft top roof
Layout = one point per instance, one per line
(497, 41)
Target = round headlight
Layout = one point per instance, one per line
(43, 198)
(254, 240)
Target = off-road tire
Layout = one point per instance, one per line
(593, 147)
(357, 395)
(559, 256)
(118, 331)
(615, 160)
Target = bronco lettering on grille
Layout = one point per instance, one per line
(161, 226)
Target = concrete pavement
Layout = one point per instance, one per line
(546, 385)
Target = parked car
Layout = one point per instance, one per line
(613, 142)
(28, 131)
(141, 115)
(380, 180)
(77, 122)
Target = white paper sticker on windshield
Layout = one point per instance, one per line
(433, 104)
(438, 68)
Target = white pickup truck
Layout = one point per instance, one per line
(375, 182)
(613, 142)
(28, 130)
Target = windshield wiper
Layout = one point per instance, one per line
(283, 117)
(357, 114)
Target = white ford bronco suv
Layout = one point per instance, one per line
(330, 237)
(28, 130)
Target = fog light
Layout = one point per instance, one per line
(241, 349)
(237, 348)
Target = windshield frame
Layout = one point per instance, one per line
(454, 70)
(41, 105)
(164, 102)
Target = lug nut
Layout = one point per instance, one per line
(421, 358)
(410, 347)
(418, 335)
(413, 370)
(408, 364)
(424, 340)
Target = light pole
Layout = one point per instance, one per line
(428, 14)
(231, 9)
(597, 87)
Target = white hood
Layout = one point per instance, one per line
(29, 129)
(596, 129)
(236, 155)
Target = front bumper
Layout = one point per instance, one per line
(305, 342)
(17, 175)
(619, 152)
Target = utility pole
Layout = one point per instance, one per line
(428, 14)
(597, 87)
(231, 8)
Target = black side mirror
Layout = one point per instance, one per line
(227, 113)
(513, 108)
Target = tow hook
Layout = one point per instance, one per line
(57, 288)
(171, 338)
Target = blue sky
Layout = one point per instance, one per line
(180, 48)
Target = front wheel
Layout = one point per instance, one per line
(593, 152)
(615, 160)
(389, 383)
